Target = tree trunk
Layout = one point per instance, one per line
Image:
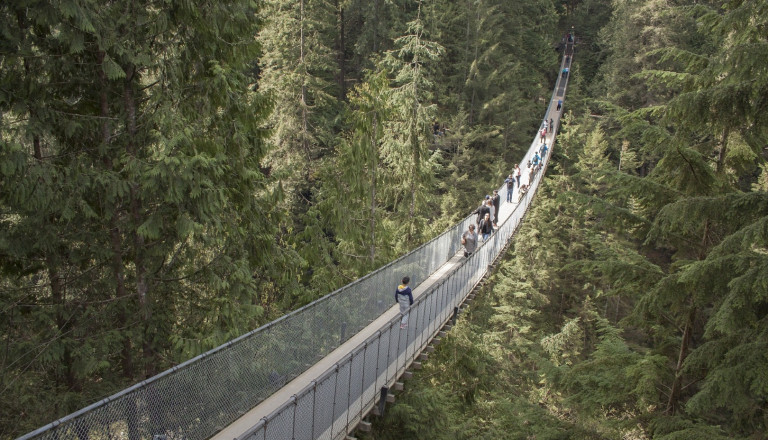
(304, 112)
(375, 165)
(63, 324)
(118, 269)
(723, 151)
(22, 22)
(471, 76)
(340, 57)
(375, 26)
(38, 149)
(142, 285)
(677, 384)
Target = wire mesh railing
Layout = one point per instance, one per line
(334, 403)
(199, 397)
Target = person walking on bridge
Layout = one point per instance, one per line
(469, 240)
(510, 181)
(404, 297)
(486, 227)
(496, 199)
(482, 210)
(489, 203)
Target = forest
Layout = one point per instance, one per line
(174, 174)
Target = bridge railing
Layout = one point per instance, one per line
(333, 404)
(195, 399)
(199, 397)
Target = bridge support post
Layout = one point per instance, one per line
(383, 400)
(455, 315)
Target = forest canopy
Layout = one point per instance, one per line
(175, 174)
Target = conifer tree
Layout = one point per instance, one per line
(296, 71)
(352, 201)
(406, 152)
(689, 200)
(134, 201)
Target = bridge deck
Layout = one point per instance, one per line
(272, 403)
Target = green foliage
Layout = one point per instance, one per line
(566, 345)
(424, 415)
(647, 268)
(134, 212)
(170, 181)
(670, 428)
(405, 150)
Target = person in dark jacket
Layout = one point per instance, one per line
(496, 199)
(486, 227)
(510, 182)
(404, 297)
(481, 211)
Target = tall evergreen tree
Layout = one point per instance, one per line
(297, 73)
(133, 204)
(406, 152)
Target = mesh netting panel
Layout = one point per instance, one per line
(304, 415)
(385, 347)
(341, 398)
(258, 432)
(281, 424)
(355, 389)
(323, 411)
(370, 372)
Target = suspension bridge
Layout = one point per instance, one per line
(321, 371)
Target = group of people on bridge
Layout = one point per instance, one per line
(488, 212)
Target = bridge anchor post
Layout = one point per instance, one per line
(383, 400)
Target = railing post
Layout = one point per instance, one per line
(383, 400)
(362, 378)
(295, 405)
(314, 408)
(349, 389)
(335, 391)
